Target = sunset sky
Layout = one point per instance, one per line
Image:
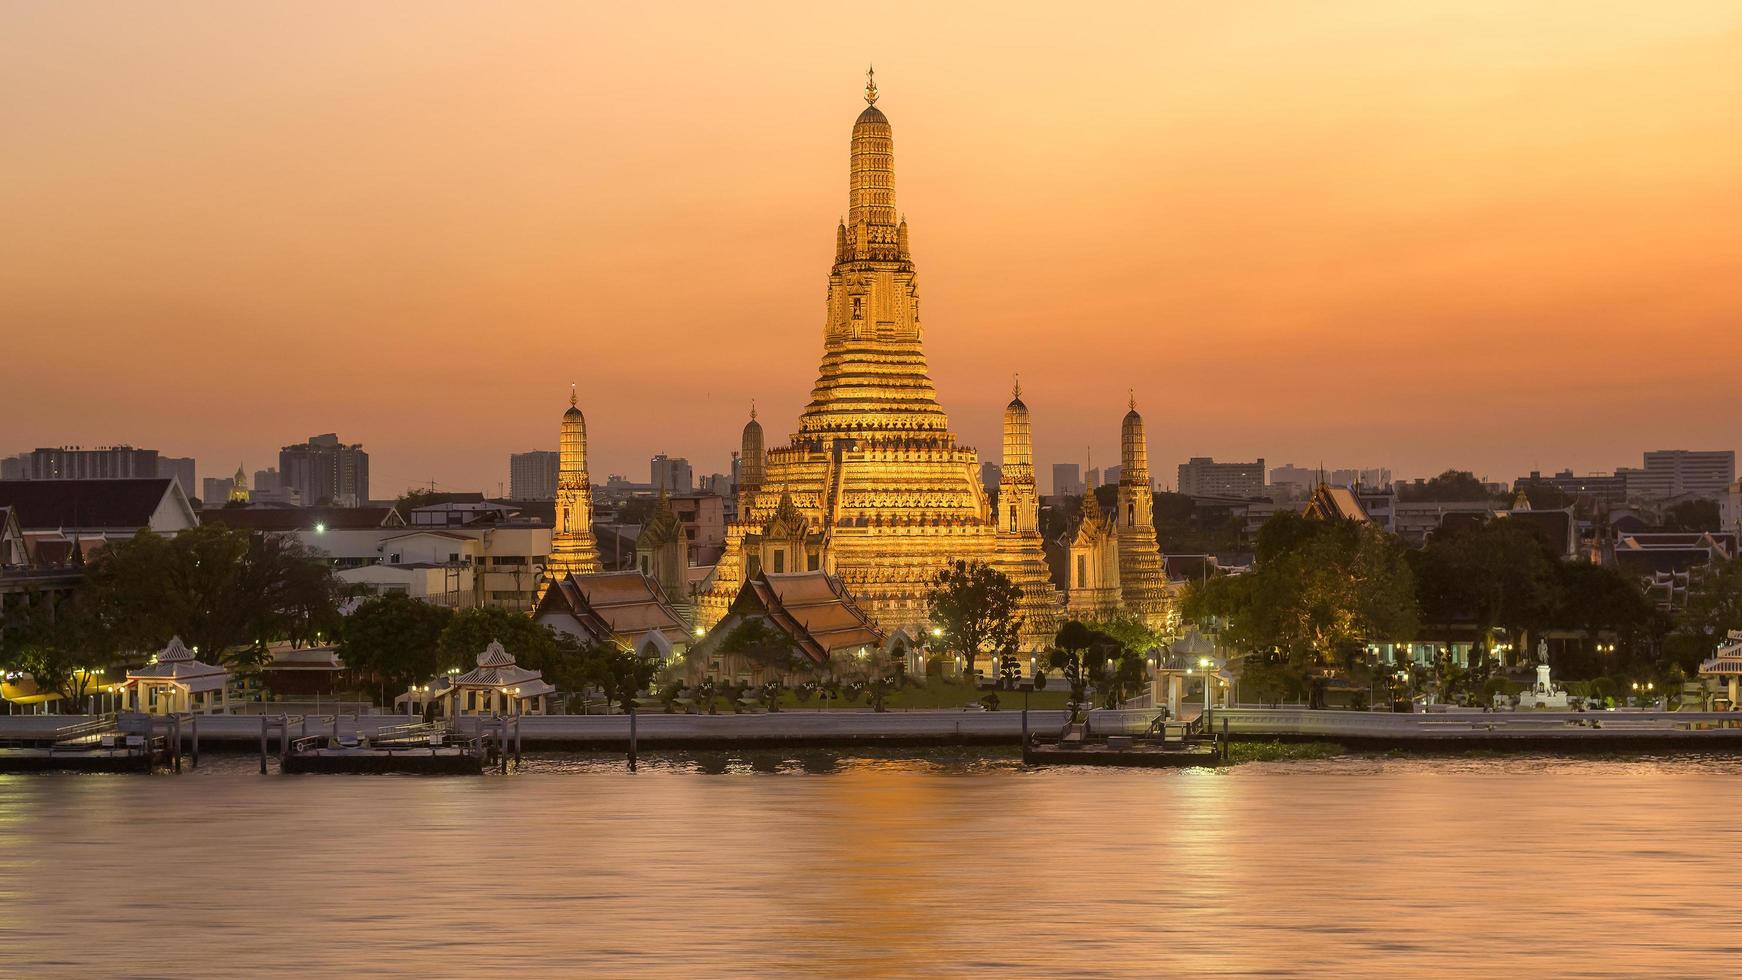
(1499, 236)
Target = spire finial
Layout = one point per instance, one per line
(1016, 387)
(572, 397)
(752, 409)
(871, 85)
(1133, 393)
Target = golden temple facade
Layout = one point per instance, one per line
(873, 487)
(573, 549)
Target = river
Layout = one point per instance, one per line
(823, 863)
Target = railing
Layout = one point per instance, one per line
(85, 731)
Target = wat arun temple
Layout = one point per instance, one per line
(874, 487)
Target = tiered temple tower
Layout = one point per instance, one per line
(573, 550)
(873, 486)
(1094, 592)
(1021, 554)
(1142, 575)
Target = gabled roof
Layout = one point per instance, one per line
(812, 608)
(114, 505)
(615, 605)
(304, 518)
(1336, 503)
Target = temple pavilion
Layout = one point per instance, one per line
(1726, 666)
(497, 686)
(175, 682)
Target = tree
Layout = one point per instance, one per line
(974, 606)
(621, 675)
(397, 639)
(1318, 590)
(226, 592)
(469, 631)
(52, 642)
(1498, 574)
(767, 646)
(1450, 486)
(411, 499)
(1713, 609)
(1079, 653)
(1693, 515)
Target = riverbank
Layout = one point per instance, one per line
(1555, 732)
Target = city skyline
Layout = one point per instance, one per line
(1395, 241)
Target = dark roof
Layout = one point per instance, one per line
(117, 504)
(872, 114)
(303, 518)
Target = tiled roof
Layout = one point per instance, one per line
(624, 605)
(95, 504)
(812, 608)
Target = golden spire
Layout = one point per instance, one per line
(753, 409)
(871, 85)
(572, 397)
(1016, 388)
(1133, 392)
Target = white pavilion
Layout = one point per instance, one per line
(174, 682)
(496, 686)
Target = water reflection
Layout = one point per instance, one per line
(880, 864)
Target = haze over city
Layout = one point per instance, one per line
(1376, 234)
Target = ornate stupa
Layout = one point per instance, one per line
(1021, 552)
(239, 487)
(573, 550)
(1094, 592)
(1142, 576)
(873, 486)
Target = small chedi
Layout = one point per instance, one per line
(573, 549)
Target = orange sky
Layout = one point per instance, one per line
(1492, 235)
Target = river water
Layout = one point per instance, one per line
(760, 864)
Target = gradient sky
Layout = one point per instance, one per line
(1499, 236)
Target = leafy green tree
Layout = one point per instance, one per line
(1713, 609)
(469, 631)
(1080, 653)
(1499, 573)
(766, 645)
(1693, 515)
(51, 640)
(974, 606)
(397, 640)
(1317, 591)
(226, 592)
(621, 675)
(1449, 487)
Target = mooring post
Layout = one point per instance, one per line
(632, 714)
(517, 743)
(194, 723)
(1224, 738)
(502, 742)
(263, 745)
(283, 739)
(175, 740)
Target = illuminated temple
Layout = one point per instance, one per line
(873, 487)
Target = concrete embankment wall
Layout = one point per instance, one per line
(611, 732)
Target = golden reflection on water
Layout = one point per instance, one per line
(814, 864)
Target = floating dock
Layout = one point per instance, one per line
(1156, 747)
(93, 745)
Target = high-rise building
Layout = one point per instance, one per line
(266, 481)
(181, 470)
(533, 475)
(672, 474)
(1681, 473)
(324, 470)
(101, 463)
(1067, 480)
(215, 491)
(1204, 477)
(1092, 479)
(1112, 476)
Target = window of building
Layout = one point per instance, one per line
(779, 561)
(811, 563)
(1082, 571)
